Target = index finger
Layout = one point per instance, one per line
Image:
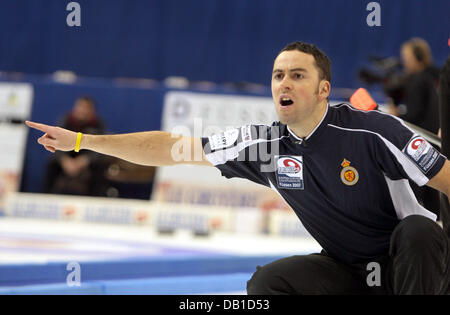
(41, 127)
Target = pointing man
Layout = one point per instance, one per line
(343, 171)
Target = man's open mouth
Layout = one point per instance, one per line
(286, 101)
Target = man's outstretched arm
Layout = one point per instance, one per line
(152, 148)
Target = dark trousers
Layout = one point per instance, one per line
(418, 263)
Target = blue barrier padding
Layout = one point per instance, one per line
(28, 274)
(235, 282)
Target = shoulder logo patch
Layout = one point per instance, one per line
(224, 139)
(421, 153)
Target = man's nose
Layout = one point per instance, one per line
(286, 83)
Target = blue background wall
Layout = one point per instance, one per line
(216, 40)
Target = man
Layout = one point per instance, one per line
(343, 171)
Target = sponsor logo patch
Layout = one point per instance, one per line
(289, 172)
(423, 154)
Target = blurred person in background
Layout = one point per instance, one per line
(420, 96)
(420, 100)
(78, 174)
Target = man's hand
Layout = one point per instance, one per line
(55, 138)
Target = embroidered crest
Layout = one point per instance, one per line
(349, 174)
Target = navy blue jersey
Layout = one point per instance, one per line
(347, 181)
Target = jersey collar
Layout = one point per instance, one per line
(315, 133)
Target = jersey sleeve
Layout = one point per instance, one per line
(404, 154)
(237, 153)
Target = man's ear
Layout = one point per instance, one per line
(324, 89)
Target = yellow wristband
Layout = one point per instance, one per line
(77, 144)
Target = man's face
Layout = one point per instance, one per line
(295, 86)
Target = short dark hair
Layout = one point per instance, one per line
(323, 63)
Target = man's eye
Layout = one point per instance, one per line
(298, 76)
(278, 76)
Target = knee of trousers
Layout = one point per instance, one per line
(267, 280)
(416, 232)
(258, 284)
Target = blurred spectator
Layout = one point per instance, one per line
(422, 104)
(78, 173)
(420, 92)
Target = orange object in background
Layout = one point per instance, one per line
(361, 99)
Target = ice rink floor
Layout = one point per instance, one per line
(36, 257)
